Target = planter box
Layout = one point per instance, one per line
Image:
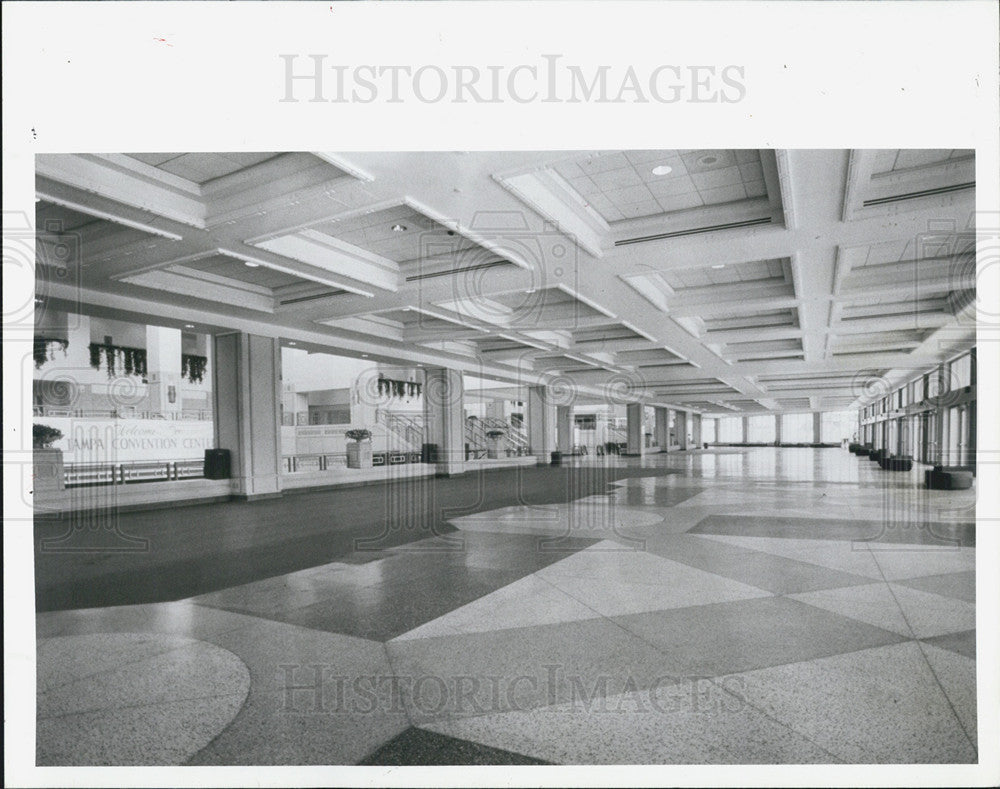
(359, 454)
(48, 471)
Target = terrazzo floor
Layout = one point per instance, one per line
(750, 606)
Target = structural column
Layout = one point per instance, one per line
(681, 426)
(541, 423)
(777, 430)
(247, 391)
(662, 428)
(564, 429)
(444, 423)
(746, 430)
(817, 427)
(696, 430)
(163, 363)
(634, 430)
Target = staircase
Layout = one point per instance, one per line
(407, 429)
(514, 442)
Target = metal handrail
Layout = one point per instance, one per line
(104, 473)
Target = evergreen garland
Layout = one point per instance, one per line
(133, 360)
(44, 350)
(193, 367)
(390, 387)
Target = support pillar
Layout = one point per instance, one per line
(662, 428)
(247, 391)
(746, 430)
(634, 430)
(777, 430)
(444, 421)
(681, 425)
(163, 365)
(564, 429)
(541, 424)
(817, 427)
(696, 430)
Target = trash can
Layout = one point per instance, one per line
(429, 453)
(218, 464)
(557, 458)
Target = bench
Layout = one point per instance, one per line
(949, 477)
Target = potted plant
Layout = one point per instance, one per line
(359, 448)
(494, 437)
(47, 461)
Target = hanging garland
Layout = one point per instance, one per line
(44, 350)
(133, 360)
(193, 367)
(390, 387)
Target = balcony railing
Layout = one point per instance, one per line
(80, 474)
(86, 413)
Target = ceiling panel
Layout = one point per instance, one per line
(623, 185)
(201, 167)
(401, 234)
(224, 266)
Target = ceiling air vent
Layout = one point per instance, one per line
(764, 220)
(941, 190)
(460, 270)
(325, 294)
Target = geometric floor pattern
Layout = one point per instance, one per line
(825, 615)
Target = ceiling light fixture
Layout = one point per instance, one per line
(719, 265)
(397, 228)
(292, 343)
(251, 264)
(188, 325)
(662, 169)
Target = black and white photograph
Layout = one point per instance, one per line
(417, 428)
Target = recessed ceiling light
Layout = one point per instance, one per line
(292, 343)
(364, 356)
(719, 265)
(397, 228)
(662, 169)
(251, 264)
(188, 325)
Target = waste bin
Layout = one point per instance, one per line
(557, 458)
(429, 453)
(218, 464)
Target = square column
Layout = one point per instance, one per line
(817, 427)
(163, 363)
(696, 430)
(247, 391)
(681, 425)
(564, 429)
(541, 424)
(662, 428)
(746, 429)
(636, 440)
(444, 421)
(777, 429)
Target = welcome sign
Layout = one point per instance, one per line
(131, 440)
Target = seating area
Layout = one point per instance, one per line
(949, 477)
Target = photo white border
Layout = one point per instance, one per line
(106, 77)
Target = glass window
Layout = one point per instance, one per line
(761, 429)
(708, 430)
(796, 428)
(730, 430)
(961, 372)
(835, 426)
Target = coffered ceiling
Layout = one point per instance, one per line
(720, 281)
